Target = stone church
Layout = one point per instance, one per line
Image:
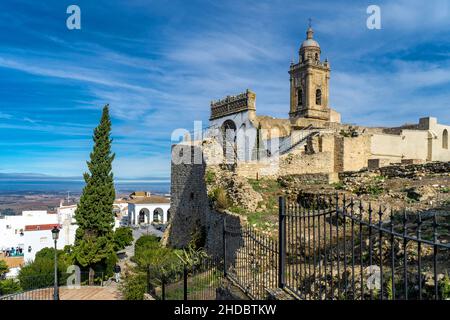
(312, 139)
(311, 143)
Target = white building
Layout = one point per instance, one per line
(39, 236)
(12, 228)
(144, 208)
(31, 231)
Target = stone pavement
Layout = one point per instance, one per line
(90, 293)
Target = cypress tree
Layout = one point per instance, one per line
(94, 244)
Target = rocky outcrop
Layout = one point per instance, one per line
(239, 191)
(409, 171)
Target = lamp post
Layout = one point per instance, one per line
(55, 234)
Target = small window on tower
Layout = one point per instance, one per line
(318, 97)
(317, 56)
(445, 139)
(299, 97)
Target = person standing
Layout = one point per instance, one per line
(117, 270)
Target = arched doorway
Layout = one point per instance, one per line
(158, 215)
(143, 214)
(229, 140)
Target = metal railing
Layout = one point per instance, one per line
(197, 281)
(42, 287)
(252, 262)
(330, 247)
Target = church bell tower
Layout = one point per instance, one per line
(309, 81)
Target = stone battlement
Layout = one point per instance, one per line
(233, 104)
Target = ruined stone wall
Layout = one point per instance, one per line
(356, 152)
(321, 162)
(402, 170)
(254, 170)
(191, 210)
(338, 154)
(407, 171)
(189, 201)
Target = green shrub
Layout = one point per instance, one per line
(123, 237)
(134, 286)
(374, 190)
(238, 210)
(210, 177)
(40, 272)
(146, 242)
(338, 185)
(390, 290)
(3, 268)
(444, 287)
(9, 286)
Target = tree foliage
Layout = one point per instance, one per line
(161, 262)
(123, 237)
(40, 272)
(94, 241)
(9, 286)
(3, 268)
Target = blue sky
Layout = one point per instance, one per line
(159, 63)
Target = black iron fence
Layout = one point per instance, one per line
(251, 260)
(42, 287)
(193, 281)
(330, 247)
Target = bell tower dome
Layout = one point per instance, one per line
(309, 81)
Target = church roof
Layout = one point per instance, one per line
(149, 200)
(310, 42)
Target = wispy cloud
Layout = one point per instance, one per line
(160, 64)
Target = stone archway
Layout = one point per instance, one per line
(143, 213)
(229, 140)
(158, 215)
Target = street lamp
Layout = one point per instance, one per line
(55, 234)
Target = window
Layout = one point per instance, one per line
(445, 139)
(318, 97)
(299, 97)
(317, 56)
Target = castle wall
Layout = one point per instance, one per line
(189, 201)
(321, 162)
(356, 152)
(191, 213)
(410, 144)
(438, 150)
(351, 153)
(254, 170)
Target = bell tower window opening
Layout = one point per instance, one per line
(299, 97)
(318, 97)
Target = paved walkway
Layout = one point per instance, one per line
(90, 293)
